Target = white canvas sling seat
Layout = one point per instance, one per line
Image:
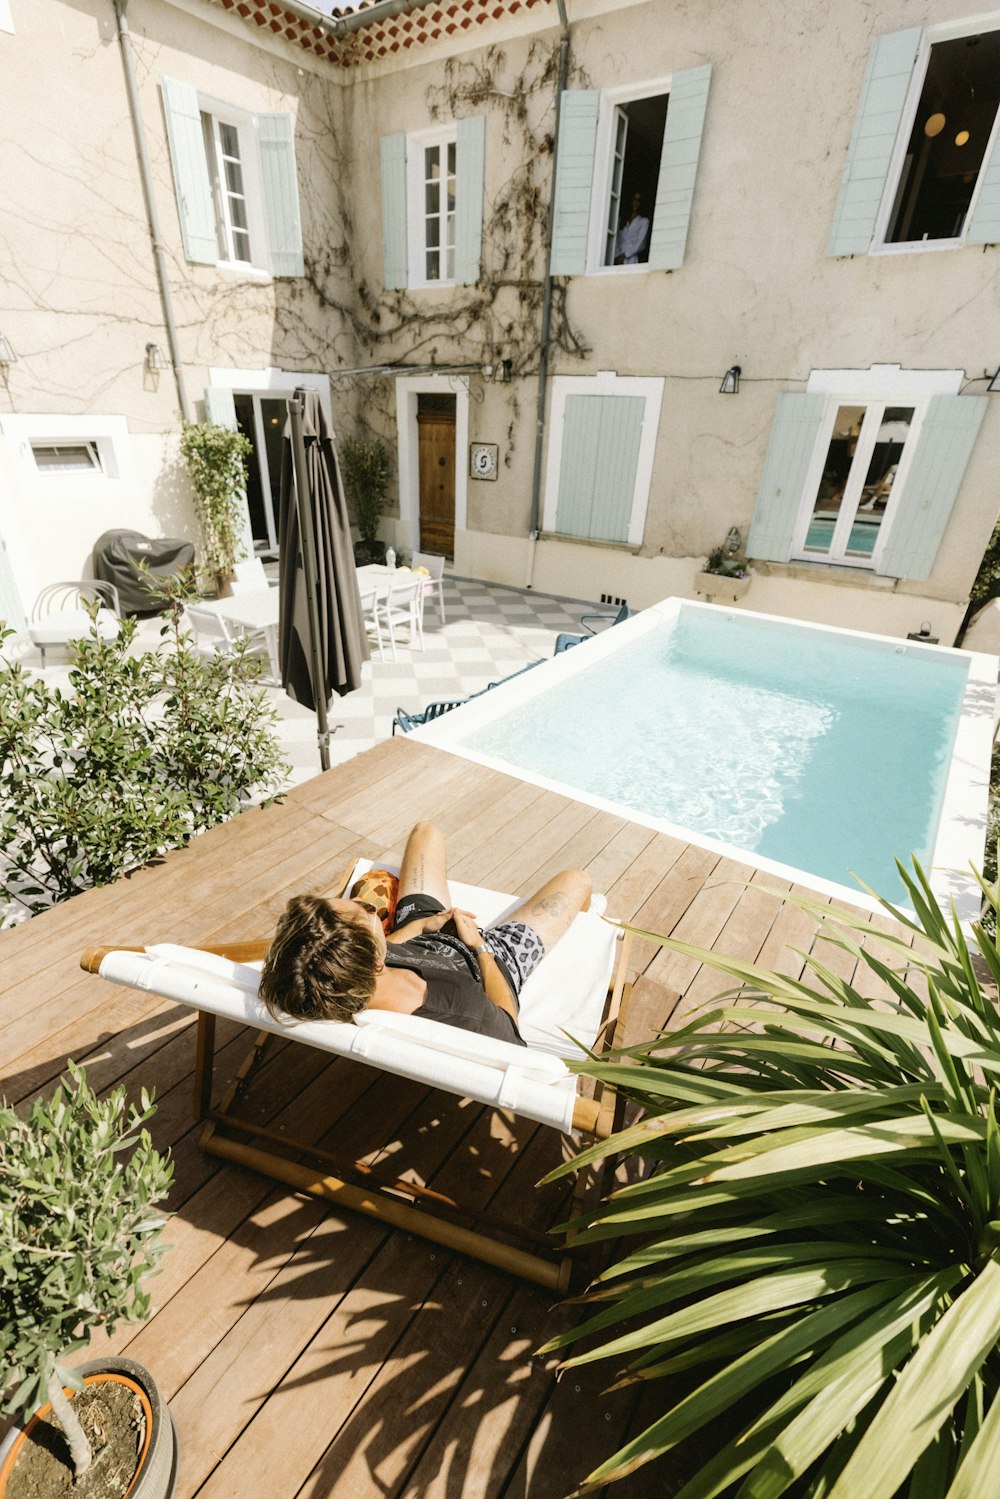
(574, 994)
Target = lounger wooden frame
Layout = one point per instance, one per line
(357, 1185)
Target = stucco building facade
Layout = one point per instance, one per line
(525, 243)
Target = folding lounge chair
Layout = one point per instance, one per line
(580, 988)
(566, 641)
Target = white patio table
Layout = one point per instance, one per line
(255, 610)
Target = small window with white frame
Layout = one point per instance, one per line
(949, 129)
(66, 457)
(431, 195)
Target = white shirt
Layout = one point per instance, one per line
(632, 239)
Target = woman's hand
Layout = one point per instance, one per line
(466, 928)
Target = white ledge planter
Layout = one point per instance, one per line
(718, 586)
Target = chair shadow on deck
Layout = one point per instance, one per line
(400, 1367)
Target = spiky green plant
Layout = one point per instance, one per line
(814, 1249)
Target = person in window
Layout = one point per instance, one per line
(633, 236)
(331, 959)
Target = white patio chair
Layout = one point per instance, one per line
(402, 607)
(59, 613)
(434, 585)
(370, 612)
(576, 1000)
(214, 636)
(249, 576)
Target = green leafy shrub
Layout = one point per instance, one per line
(364, 464)
(144, 751)
(814, 1247)
(216, 462)
(79, 1181)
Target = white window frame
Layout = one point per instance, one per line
(417, 144)
(253, 188)
(882, 385)
(932, 36)
(109, 436)
(604, 150)
(88, 447)
(604, 383)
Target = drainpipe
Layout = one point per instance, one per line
(543, 358)
(159, 257)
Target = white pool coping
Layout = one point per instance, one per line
(961, 836)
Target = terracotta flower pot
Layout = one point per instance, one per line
(156, 1474)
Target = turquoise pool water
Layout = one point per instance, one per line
(822, 751)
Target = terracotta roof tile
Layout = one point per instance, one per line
(381, 37)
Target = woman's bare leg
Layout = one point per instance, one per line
(424, 870)
(552, 909)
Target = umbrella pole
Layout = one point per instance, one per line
(307, 540)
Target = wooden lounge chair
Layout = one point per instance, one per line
(573, 1003)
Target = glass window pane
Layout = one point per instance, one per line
(234, 176)
(836, 471)
(238, 213)
(241, 244)
(432, 163)
(433, 265)
(230, 140)
(889, 443)
(432, 197)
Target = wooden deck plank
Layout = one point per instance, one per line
(275, 1313)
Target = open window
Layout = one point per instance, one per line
(236, 183)
(923, 168)
(626, 166)
(636, 148)
(953, 125)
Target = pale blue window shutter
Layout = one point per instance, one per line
(276, 142)
(393, 149)
(195, 203)
(947, 436)
(574, 181)
(470, 160)
(678, 167)
(220, 410)
(600, 454)
(782, 486)
(883, 96)
(984, 225)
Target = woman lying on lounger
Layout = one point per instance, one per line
(330, 958)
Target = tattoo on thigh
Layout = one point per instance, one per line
(552, 905)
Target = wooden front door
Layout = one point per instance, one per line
(436, 430)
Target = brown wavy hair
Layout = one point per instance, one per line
(320, 966)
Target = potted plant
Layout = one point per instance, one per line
(807, 1269)
(79, 1181)
(364, 466)
(725, 574)
(216, 462)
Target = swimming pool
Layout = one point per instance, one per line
(814, 752)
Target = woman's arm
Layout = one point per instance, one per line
(496, 986)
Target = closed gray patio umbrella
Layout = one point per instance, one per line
(321, 633)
